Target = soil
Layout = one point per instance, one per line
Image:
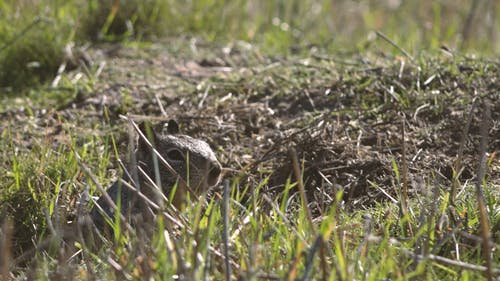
(344, 118)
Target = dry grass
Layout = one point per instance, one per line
(343, 120)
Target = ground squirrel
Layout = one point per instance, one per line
(196, 170)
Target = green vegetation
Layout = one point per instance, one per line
(35, 34)
(288, 93)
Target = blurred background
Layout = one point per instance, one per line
(37, 35)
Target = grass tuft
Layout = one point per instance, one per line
(369, 199)
(35, 33)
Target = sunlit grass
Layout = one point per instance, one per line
(34, 35)
(269, 234)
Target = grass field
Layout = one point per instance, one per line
(359, 139)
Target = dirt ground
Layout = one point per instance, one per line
(344, 117)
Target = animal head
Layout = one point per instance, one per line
(192, 159)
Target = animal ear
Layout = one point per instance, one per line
(173, 127)
(147, 130)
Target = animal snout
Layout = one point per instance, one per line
(214, 172)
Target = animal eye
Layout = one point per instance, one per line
(175, 155)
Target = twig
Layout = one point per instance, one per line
(460, 264)
(383, 36)
(160, 105)
(153, 205)
(457, 165)
(310, 259)
(300, 184)
(404, 193)
(105, 195)
(383, 191)
(225, 234)
(483, 216)
(436, 258)
(205, 94)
